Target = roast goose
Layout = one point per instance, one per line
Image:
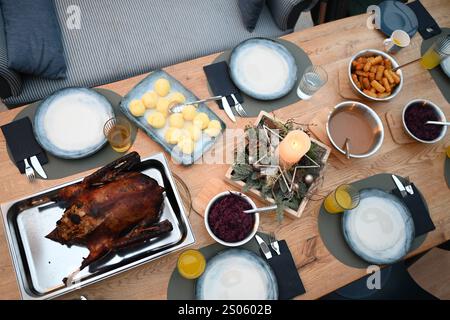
(113, 208)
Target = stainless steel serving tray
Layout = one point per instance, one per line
(42, 264)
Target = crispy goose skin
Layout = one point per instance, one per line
(109, 211)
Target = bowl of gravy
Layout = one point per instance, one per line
(358, 125)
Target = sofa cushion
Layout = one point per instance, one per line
(10, 81)
(33, 38)
(250, 12)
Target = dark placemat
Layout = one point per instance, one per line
(180, 288)
(428, 27)
(447, 171)
(253, 106)
(58, 168)
(440, 78)
(330, 225)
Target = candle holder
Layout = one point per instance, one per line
(289, 185)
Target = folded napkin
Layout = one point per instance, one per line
(22, 143)
(220, 82)
(428, 27)
(289, 283)
(419, 212)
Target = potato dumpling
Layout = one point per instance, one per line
(137, 108)
(186, 145)
(162, 87)
(176, 120)
(177, 97)
(189, 112)
(173, 135)
(214, 124)
(150, 99)
(194, 132)
(163, 106)
(212, 132)
(201, 120)
(157, 120)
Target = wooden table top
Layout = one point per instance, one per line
(329, 45)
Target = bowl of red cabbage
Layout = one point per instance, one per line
(226, 221)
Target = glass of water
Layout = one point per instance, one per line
(312, 80)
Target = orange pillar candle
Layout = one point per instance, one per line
(293, 147)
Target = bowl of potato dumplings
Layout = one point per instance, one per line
(371, 74)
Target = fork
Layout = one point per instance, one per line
(274, 243)
(239, 109)
(29, 171)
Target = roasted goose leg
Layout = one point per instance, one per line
(111, 209)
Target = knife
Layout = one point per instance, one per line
(227, 109)
(399, 185)
(264, 247)
(37, 166)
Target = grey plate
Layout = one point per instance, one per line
(239, 78)
(84, 95)
(381, 223)
(204, 144)
(41, 264)
(397, 16)
(248, 257)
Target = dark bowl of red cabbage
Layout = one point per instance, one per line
(227, 223)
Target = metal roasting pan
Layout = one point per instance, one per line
(41, 264)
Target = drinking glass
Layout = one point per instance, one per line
(436, 53)
(345, 197)
(191, 264)
(312, 80)
(118, 132)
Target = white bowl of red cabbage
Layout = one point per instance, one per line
(415, 115)
(226, 221)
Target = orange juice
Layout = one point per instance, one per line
(338, 201)
(430, 59)
(191, 264)
(448, 152)
(120, 138)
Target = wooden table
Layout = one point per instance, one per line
(328, 45)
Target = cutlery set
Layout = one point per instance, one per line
(265, 247)
(35, 166)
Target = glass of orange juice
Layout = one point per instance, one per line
(118, 132)
(191, 264)
(438, 51)
(345, 197)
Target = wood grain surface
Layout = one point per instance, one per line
(329, 45)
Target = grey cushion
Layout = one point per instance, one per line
(286, 12)
(250, 12)
(119, 39)
(10, 81)
(33, 38)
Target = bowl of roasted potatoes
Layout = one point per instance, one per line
(371, 73)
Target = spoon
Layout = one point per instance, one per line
(347, 147)
(405, 64)
(176, 108)
(262, 209)
(442, 123)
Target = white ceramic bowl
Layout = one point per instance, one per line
(371, 52)
(439, 113)
(231, 244)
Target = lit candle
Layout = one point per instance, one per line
(293, 147)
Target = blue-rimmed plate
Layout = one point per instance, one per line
(69, 123)
(147, 84)
(380, 229)
(237, 274)
(263, 69)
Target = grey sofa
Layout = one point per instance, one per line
(118, 39)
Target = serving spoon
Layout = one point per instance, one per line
(178, 107)
(442, 123)
(262, 209)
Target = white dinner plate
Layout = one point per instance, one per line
(69, 123)
(380, 229)
(237, 274)
(263, 69)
